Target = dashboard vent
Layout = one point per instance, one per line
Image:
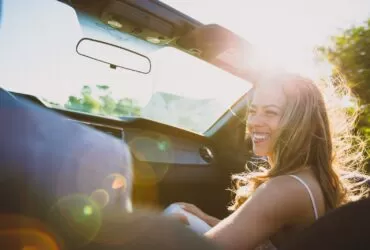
(207, 154)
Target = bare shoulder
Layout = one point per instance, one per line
(282, 187)
(285, 198)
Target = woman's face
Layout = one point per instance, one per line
(265, 112)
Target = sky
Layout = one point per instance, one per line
(285, 32)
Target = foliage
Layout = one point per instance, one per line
(350, 54)
(102, 103)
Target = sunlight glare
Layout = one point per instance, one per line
(170, 76)
(285, 32)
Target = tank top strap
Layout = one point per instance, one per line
(309, 192)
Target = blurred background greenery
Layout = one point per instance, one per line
(350, 54)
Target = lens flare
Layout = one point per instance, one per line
(77, 218)
(115, 181)
(88, 210)
(163, 146)
(20, 232)
(27, 239)
(100, 197)
(119, 181)
(154, 156)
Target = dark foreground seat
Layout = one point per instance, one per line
(345, 228)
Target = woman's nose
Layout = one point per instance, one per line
(255, 120)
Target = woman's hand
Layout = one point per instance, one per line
(192, 209)
(212, 221)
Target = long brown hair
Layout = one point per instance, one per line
(316, 132)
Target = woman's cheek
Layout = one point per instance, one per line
(276, 123)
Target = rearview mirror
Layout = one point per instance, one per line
(113, 55)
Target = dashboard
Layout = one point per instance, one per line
(169, 164)
(149, 141)
(156, 147)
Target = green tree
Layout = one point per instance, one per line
(108, 104)
(85, 103)
(350, 54)
(101, 102)
(127, 107)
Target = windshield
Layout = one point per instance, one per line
(39, 58)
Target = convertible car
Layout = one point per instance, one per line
(174, 89)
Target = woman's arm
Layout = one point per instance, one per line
(210, 220)
(275, 204)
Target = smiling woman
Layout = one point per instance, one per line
(311, 149)
(324, 101)
(304, 137)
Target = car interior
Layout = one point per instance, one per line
(173, 89)
(187, 158)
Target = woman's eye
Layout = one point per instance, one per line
(252, 112)
(271, 113)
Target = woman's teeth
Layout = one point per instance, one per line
(260, 137)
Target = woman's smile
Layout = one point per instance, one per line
(259, 137)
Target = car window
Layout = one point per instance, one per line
(39, 58)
